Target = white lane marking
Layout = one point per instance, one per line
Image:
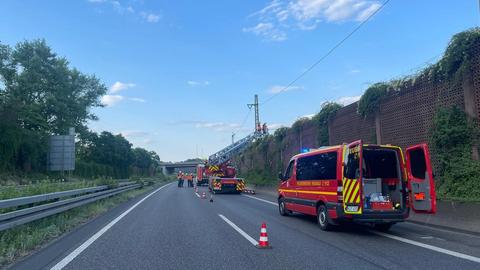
(240, 231)
(60, 265)
(408, 222)
(434, 248)
(197, 195)
(408, 241)
(262, 200)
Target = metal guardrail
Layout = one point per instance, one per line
(46, 197)
(14, 218)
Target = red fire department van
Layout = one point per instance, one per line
(359, 182)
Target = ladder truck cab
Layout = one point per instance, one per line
(222, 179)
(364, 183)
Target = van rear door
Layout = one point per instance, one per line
(352, 175)
(420, 179)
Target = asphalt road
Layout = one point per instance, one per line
(175, 229)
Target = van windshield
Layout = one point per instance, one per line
(380, 163)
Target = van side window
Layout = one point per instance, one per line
(352, 165)
(288, 172)
(318, 167)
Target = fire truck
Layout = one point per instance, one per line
(363, 183)
(222, 179)
(201, 177)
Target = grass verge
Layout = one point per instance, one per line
(9, 192)
(22, 240)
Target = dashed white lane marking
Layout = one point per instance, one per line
(262, 200)
(405, 240)
(86, 244)
(434, 248)
(197, 195)
(240, 231)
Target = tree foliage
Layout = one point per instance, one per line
(452, 138)
(41, 95)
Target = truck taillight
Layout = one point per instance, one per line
(339, 192)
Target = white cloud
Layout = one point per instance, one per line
(148, 141)
(150, 17)
(309, 116)
(364, 14)
(353, 71)
(278, 16)
(275, 126)
(267, 31)
(123, 9)
(218, 126)
(110, 100)
(134, 133)
(279, 88)
(198, 83)
(119, 86)
(136, 99)
(348, 100)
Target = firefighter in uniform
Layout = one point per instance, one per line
(179, 178)
(190, 180)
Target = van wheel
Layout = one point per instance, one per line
(282, 208)
(383, 227)
(322, 217)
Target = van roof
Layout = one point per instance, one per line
(318, 150)
(336, 147)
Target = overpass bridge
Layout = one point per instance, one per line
(171, 168)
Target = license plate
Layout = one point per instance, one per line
(217, 188)
(228, 182)
(352, 208)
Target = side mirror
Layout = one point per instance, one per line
(281, 177)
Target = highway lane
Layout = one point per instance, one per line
(174, 229)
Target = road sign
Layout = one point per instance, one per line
(61, 155)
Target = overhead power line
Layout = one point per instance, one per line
(243, 122)
(328, 53)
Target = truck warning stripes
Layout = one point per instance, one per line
(351, 190)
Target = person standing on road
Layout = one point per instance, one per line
(179, 178)
(190, 180)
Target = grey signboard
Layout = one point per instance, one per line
(61, 155)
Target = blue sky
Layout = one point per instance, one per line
(180, 72)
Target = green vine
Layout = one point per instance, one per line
(369, 103)
(328, 110)
(451, 67)
(452, 138)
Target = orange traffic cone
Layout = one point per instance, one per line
(263, 241)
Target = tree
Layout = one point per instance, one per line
(40, 95)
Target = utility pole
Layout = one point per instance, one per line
(233, 137)
(257, 116)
